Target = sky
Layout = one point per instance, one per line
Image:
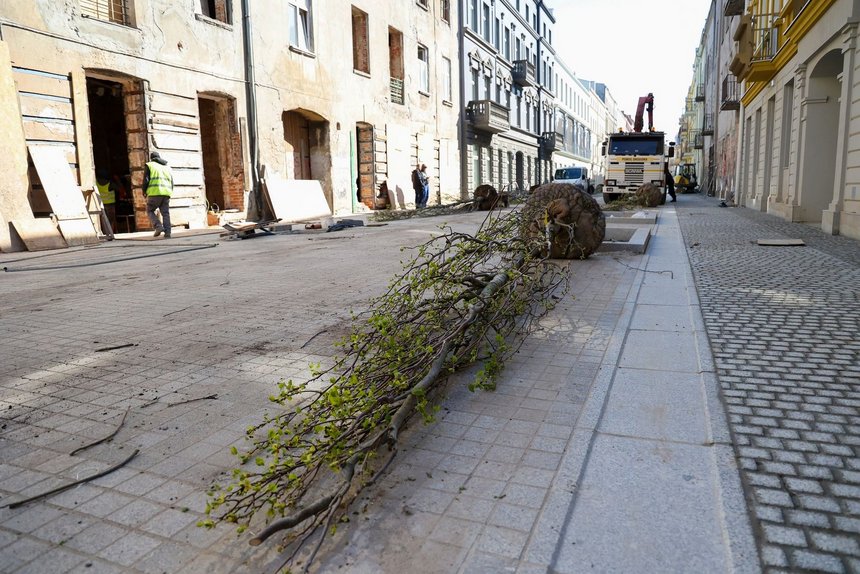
(634, 47)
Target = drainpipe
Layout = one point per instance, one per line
(463, 146)
(255, 203)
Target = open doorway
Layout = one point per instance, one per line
(118, 151)
(110, 150)
(223, 170)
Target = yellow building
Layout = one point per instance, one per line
(800, 118)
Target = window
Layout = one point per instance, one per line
(475, 85)
(507, 46)
(360, 47)
(485, 22)
(301, 33)
(446, 10)
(497, 37)
(423, 69)
(473, 15)
(395, 64)
(115, 11)
(423, 4)
(446, 79)
(215, 9)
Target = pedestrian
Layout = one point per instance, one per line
(107, 191)
(419, 184)
(425, 188)
(670, 181)
(158, 186)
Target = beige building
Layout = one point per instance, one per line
(799, 150)
(352, 95)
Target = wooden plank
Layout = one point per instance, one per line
(78, 231)
(190, 125)
(39, 234)
(39, 84)
(43, 108)
(181, 142)
(781, 242)
(52, 131)
(296, 199)
(178, 159)
(173, 104)
(67, 201)
(190, 177)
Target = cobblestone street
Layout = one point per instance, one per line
(783, 324)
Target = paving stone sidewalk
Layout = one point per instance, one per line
(784, 326)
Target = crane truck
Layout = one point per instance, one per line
(637, 157)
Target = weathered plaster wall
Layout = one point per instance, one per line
(13, 158)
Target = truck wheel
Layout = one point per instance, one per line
(591, 189)
(610, 197)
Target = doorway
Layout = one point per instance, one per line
(365, 180)
(520, 167)
(111, 145)
(223, 169)
(822, 126)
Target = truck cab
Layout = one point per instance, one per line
(633, 159)
(575, 176)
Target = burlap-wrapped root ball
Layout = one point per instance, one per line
(576, 223)
(649, 195)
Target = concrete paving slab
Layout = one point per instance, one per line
(660, 351)
(662, 318)
(621, 521)
(656, 405)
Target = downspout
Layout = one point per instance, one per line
(463, 146)
(540, 90)
(255, 202)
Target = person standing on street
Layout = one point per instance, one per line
(418, 181)
(670, 181)
(425, 190)
(158, 186)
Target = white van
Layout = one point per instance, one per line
(575, 176)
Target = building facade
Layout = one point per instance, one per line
(508, 93)
(575, 122)
(800, 103)
(350, 94)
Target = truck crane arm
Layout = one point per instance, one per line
(645, 103)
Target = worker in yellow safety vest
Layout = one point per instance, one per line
(158, 185)
(107, 192)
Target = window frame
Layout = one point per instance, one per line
(423, 69)
(294, 13)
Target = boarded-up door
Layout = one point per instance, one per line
(296, 134)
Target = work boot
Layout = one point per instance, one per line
(157, 232)
(167, 235)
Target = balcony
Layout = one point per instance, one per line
(488, 116)
(730, 95)
(552, 141)
(765, 34)
(523, 73)
(698, 140)
(708, 124)
(733, 8)
(396, 91)
(700, 93)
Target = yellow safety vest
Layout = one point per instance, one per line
(107, 193)
(160, 179)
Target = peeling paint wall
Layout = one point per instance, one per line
(169, 54)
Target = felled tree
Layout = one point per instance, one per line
(460, 299)
(567, 219)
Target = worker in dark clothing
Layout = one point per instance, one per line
(158, 186)
(670, 181)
